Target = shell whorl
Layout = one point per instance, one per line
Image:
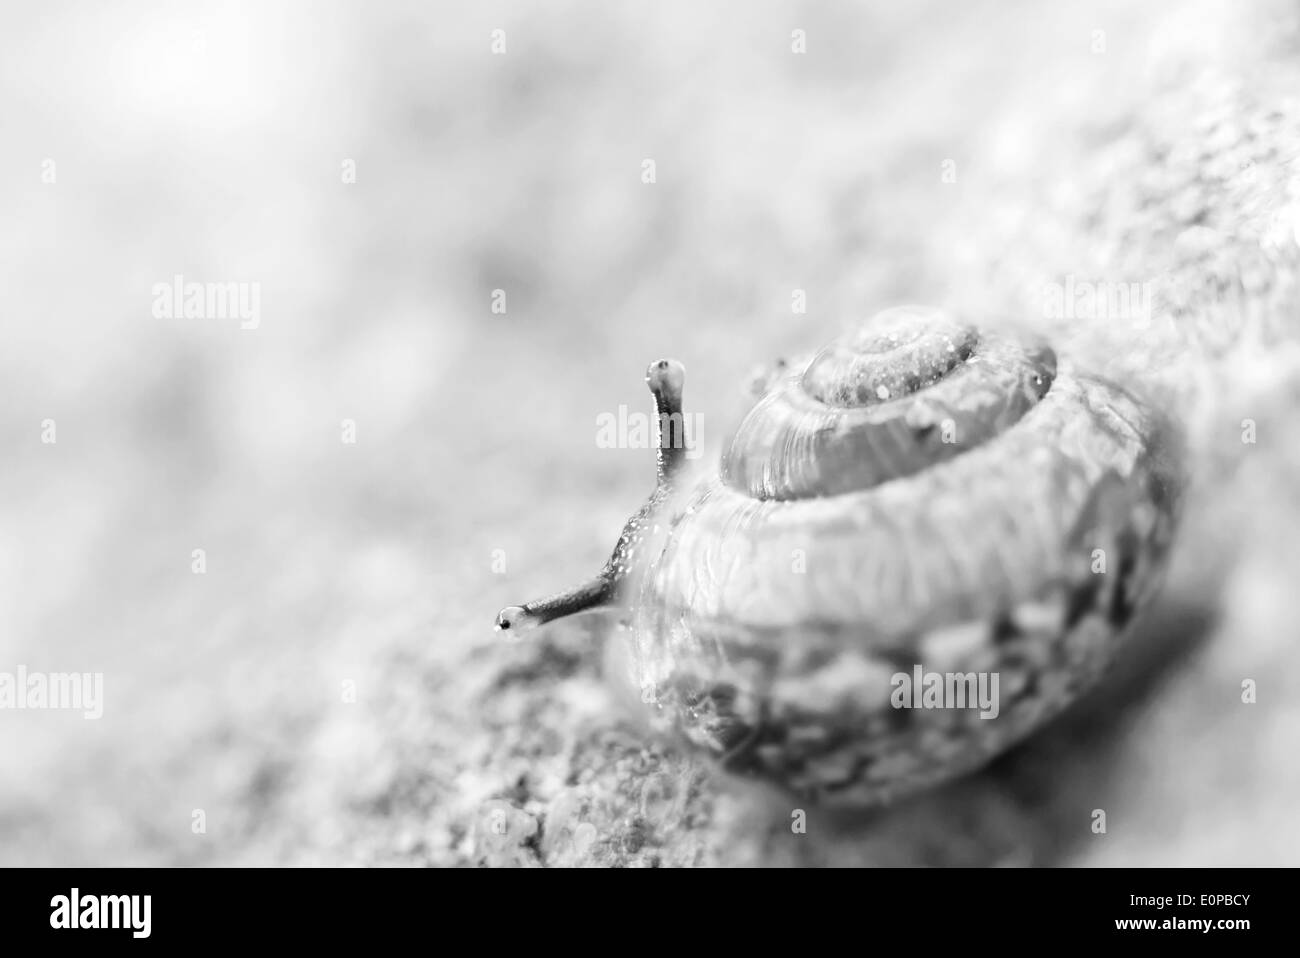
(916, 493)
(892, 397)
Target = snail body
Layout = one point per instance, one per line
(919, 498)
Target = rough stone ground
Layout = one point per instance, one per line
(209, 143)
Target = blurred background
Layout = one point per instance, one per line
(379, 172)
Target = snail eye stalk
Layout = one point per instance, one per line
(665, 379)
(589, 595)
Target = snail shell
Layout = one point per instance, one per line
(919, 497)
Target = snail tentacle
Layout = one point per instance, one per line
(665, 379)
(592, 594)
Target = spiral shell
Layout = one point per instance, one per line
(918, 494)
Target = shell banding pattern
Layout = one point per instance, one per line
(918, 494)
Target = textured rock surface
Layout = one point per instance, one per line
(378, 564)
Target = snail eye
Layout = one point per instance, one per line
(509, 617)
(665, 374)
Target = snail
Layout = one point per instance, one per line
(919, 498)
